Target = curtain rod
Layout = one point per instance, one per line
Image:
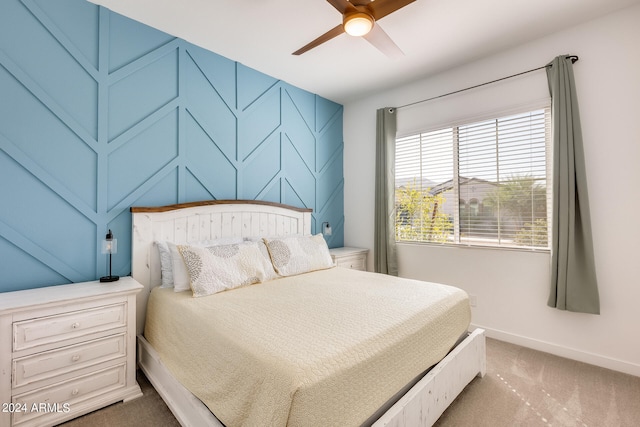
(573, 58)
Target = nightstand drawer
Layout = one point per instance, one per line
(48, 364)
(67, 394)
(348, 257)
(52, 329)
(355, 263)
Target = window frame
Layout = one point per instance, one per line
(544, 104)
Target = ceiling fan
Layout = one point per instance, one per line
(359, 19)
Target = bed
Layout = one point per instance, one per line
(301, 385)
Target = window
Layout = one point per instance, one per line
(484, 183)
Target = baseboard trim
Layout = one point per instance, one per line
(562, 351)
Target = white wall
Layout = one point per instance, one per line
(511, 286)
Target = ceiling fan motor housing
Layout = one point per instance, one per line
(358, 23)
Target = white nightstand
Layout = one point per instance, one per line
(354, 258)
(66, 350)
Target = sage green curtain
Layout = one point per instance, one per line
(573, 276)
(384, 236)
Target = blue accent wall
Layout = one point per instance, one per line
(99, 113)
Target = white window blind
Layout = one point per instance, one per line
(481, 183)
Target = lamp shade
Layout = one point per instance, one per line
(326, 229)
(109, 244)
(358, 23)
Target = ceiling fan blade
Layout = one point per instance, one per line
(382, 8)
(343, 6)
(336, 31)
(381, 40)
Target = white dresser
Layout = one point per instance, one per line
(347, 257)
(66, 350)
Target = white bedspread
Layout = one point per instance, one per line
(326, 348)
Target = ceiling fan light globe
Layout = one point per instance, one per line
(358, 24)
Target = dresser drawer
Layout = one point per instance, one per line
(62, 397)
(52, 329)
(48, 364)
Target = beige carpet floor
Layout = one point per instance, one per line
(522, 387)
(146, 411)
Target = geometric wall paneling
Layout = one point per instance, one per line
(260, 169)
(258, 121)
(274, 193)
(135, 96)
(290, 195)
(99, 112)
(330, 180)
(166, 176)
(16, 175)
(50, 60)
(78, 22)
(298, 173)
(299, 128)
(47, 143)
(330, 166)
(199, 187)
(16, 70)
(251, 86)
(330, 200)
(206, 161)
(209, 109)
(26, 221)
(161, 190)
(195, 189)
(217, 70)
(131, 164)
(330, 139)
(313, 159)
(331, 213)
(128, 40)
(326, 112)
(304, 102)
(22, 260)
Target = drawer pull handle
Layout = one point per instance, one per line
(75, 325)
(75, 357)
(74, 392)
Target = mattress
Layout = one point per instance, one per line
(323, 348)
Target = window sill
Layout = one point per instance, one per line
(481, 247)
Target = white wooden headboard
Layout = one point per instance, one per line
(205, 220)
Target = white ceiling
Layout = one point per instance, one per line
(435, 35)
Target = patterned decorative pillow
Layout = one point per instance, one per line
(299, 254)
(214, 269)
(181, 280)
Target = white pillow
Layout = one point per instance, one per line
(214, 269)
(166, 268)
(180, 273)
(299, 254)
